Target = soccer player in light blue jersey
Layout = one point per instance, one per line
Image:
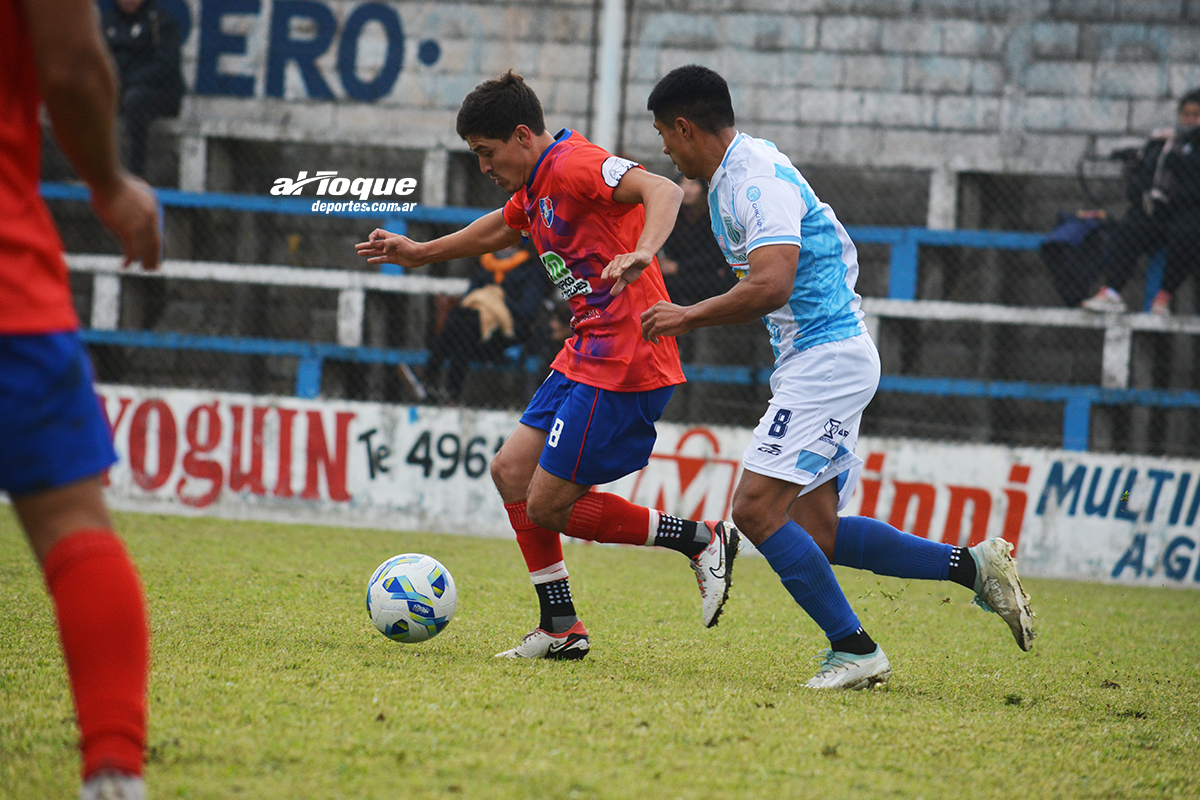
(797, 270)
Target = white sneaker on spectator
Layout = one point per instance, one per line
(1160, 306)
(1104, 300)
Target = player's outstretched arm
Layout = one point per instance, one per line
(79, 86)
(661, 198)
(766, 287)
(487, 234)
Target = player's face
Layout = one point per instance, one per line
(502, 161)
(676, 146)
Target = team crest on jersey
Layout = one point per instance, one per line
(735, 238)
(546, 206)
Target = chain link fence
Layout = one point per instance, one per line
(951, 367)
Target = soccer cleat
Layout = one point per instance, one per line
(109, 785)
(714, 570)
(569, 646)
(848, 671)
(998, 588)
(1104, 300)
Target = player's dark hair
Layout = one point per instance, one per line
(695, 93)
(495, 108)
(1191, 97)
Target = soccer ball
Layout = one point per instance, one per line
(411, 598)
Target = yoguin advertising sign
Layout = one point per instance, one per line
(1129, 519)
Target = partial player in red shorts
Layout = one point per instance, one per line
(590, 216)
(55, 439)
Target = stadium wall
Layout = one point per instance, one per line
(1002, 86)
(1086, 516)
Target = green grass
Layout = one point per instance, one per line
(270, 682)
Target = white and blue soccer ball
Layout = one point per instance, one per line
(411, 597)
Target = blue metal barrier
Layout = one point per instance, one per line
(905, 246)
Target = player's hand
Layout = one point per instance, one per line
(663, 319)
(131, 212)
(384, 247)
(625, 269)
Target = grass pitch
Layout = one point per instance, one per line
(269, 681)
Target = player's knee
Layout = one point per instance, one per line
(505, 476)
(547, 514)
(751, 518)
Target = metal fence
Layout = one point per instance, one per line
(260, 295)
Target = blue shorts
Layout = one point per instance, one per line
(52, 430)
(594, 435)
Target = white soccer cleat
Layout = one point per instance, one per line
(848, 671)
(714, 570)
(569, 646)
(998, 588)
(113, 786)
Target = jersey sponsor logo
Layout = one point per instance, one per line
(735, 236)
(758, 216)
(614, 168)
(753, 194)
(833, 428)
(546, 207)
(568, 285)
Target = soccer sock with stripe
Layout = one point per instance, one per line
(808, 577)
(610, 518)
(873, 545)
(101, 615)
(542, 550)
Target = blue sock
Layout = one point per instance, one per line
(866, 543)
(806, 574)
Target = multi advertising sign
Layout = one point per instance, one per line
(1126, 519)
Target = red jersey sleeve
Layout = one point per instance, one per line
(590, 172)
(514, 212)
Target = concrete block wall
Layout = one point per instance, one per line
(1008, 86)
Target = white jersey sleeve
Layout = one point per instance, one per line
(769, 209)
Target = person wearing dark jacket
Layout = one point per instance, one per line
(145, 41)
(1163, 186)
(692, 264)
(502, 307)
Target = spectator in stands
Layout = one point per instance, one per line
(502, 308)
(693, 269)
(1163, 187)
(145, 42)
(691, 261)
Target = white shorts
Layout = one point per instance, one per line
(809, 432)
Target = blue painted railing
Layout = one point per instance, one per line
(905, 244)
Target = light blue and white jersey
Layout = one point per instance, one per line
(758, 198)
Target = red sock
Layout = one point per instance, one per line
(541, 547)
(609, 518)
(102, 626)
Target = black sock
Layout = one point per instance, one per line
(962, 568)
(857, 643)
(558, 612)
(684, 535)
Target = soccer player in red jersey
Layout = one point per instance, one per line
(54, 439)
(590, 215)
